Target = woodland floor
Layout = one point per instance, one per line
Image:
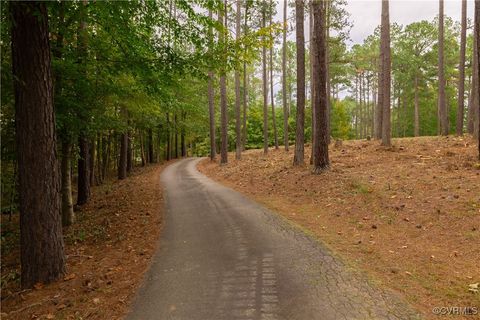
(408, 215)
(108, 251)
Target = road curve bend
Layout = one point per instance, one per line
(225, 257)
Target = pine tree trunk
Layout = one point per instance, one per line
(442, 106)
(379, 108)
(238, 98)
(122, 163)
(477, 70)
(461, 72)
(142, 149)
(223, 91)
(320, 142)
(265, 87)
(42, 249)
(327, 4)
(151, 158)
(68, 216)
(91, 161)
(129, 152)
(169, 145)
(417, 109)
(312, 86)
(272, 98)
(183, 146)
(245, 84)
(386, 121)
(211, 100)
(83, 181)
(298, 159)
(284, 78)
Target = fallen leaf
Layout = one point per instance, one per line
(70, 276)
(474, 287)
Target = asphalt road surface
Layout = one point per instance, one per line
(223, 256)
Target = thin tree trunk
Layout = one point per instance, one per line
(386, 121)
(223, 91)
(320, 142)
(461, 71)
(175, 124)
(142, 149)
(442, 106)
(238, 127)
(122, 164)
(91, 161)
(169, 145)
(68, 216)
(183, 146)
(272, 98)
(265, 86)
(284, 78)
(327, 4)
(151, 158)
(379, 108)
(83, 181)
(211, 100)
(245, 84)
(298, 158)
(312, 86)
(477, 71)
(129, 151)
(42, 249)
(417, 109)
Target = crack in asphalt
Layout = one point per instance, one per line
(223, 256)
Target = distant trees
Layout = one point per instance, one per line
(298, 158)
(42, 251)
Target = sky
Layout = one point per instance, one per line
(365, 14)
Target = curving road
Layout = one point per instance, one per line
(223, 256)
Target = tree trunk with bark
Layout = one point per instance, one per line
(477, 71)
(272, 97)
(42, 249)
(211, 100)
(68, 215)
(386, 70)
(461, 72)
(442, 105)
(223, 91)
(245, 83)
(298, 158)
(417, 109)
(122, 163)
(83, 181)
(284, 78)
(320, 142)
(238, 98)
(265, 86)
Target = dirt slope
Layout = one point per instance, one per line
(409, 215)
